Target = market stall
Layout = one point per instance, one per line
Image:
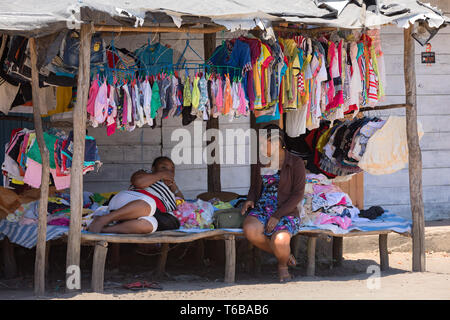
(233, 83)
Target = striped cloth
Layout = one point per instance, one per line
(387, 221)
(162, 191)
(26, 235)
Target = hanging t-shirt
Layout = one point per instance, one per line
(154, 57)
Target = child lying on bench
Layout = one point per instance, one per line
(146, 206)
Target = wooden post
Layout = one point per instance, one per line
(161, 267)
(338, 243)
(39, 266)
(47, 256)
(384, 255)
(230, 258)
(296, 241)
(257, 260)
(98, 266)
(79, 133)
(415, 156)
(115, 255)
(311, 267)
(214, 183)
(9, 260)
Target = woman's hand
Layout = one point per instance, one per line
(174, 188)
(247, 204)
(271, 224)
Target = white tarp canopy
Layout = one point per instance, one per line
(37, 18)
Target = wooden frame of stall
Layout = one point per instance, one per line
(214, 185)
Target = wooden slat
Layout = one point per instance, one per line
(180, 237)
(414, 155)
(216, 234)
(386, 107)
(39, 266)
(119, 29)
(349, 234)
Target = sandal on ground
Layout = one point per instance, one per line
(292, 262)
(142, 285)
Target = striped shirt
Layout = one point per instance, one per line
(161, 190)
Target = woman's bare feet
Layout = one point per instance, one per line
(284, 274)
(97, 224)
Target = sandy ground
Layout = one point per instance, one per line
(349, 281)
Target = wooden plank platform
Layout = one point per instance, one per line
(170, 236)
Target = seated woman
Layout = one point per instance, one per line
(273, 197)
(149, 201)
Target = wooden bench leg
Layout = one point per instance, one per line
(249, 264)
(257, 260)
(384, 256)
(200, 250)
(337, 250)
(98, 266)
(311, 267)
(230, 258)
(9, 260)
(115, 255)
(296, 246)
(161, 267)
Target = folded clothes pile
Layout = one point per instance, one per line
(326, 203)
(23, 163)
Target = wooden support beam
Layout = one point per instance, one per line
(39, 266)
(230, 258)
(16, 118)
(214, 182)
(384, 255)
(387, 107)
(79, 134)
(296, 241)
(119, 29)
(161, 267)
(338, 244)
(303, 31)
(115, 255)
(9, 260)
(414, 155)
(98, 266)
(311, 253)
(257, 260)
